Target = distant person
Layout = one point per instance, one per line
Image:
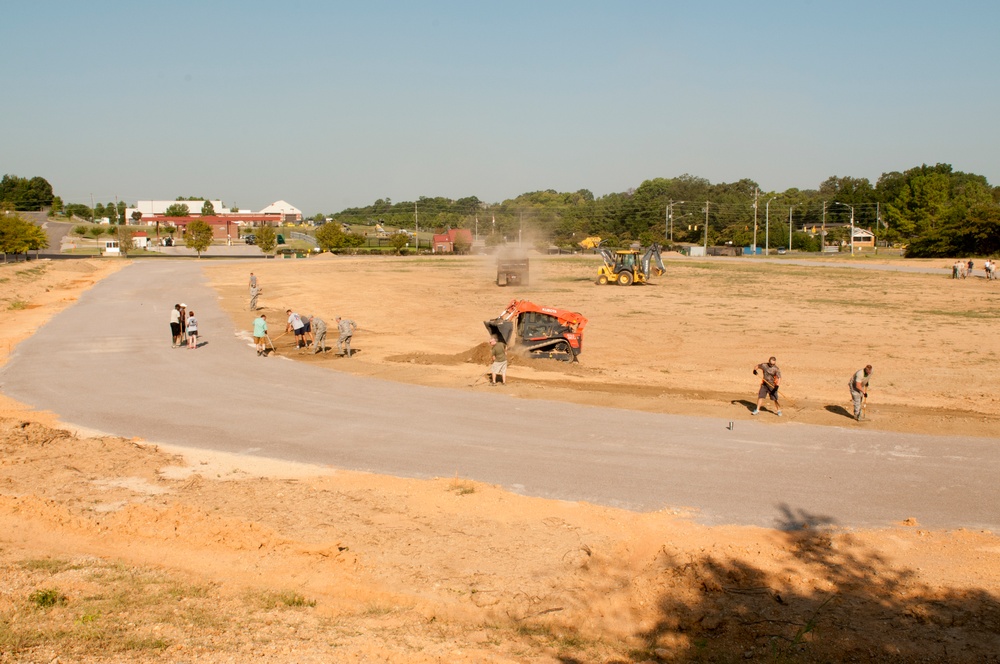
(175, 326)
(859, 389)
(498, 369)
(253, 280)
(956, 270)
(254, 294)
(318, 326)
(183, 323)
(192, 331)
(296, 326)
(770, 380)
(970, 267)
(345, 329)
(260, 334)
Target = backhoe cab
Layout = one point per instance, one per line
(626, 266)
(541, 332)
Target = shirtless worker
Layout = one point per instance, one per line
(859, 389)
(770, 380)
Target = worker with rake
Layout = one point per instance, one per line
(859, 390)
(260, 334)
(770, 380)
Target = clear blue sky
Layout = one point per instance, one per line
(335, 104)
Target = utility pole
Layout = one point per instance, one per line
(416, 228)
(670, 219)
(706, 227)
(790, 227)
(767, 225)
(822, 233)
(755, 192)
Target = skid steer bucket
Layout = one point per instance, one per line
(500, 329)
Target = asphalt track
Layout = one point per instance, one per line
(106, 364)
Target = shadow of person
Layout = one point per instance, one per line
(838, 410)
(749, 405)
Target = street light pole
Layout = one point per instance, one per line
(767, 225)
(852, 223)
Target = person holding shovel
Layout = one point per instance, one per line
(859, 390)
(770, 380)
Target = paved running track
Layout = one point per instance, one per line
(106, 364)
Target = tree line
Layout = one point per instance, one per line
(935, 210)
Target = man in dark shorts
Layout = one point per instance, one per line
(175, 325)
(770, 379)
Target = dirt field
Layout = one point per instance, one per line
(119, 550)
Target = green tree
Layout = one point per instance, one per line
(99, 213)
(463, 245)
(330, 236)
(95, 231)
(78, 210)
(57, 206)
(208, 210)
(267, 239)
(19, 236)
(111, 212)
(198, 236)
(397, 241)
(125, 241)
(177, 210)
(25, 194)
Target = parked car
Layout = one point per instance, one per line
(782, 250)
(250, 239)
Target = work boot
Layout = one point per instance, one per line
(755, 411)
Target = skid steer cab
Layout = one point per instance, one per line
(539, 332)
(626, 267)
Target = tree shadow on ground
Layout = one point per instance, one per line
(826, 598)
(838, 410)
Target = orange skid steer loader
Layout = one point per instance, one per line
(541, 332)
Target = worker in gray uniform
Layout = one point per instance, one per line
(345, 328)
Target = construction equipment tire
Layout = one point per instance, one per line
(625, 279)
(602, 280)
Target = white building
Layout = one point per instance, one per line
(287, 211)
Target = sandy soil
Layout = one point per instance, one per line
(122, 550)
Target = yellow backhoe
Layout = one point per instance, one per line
(627, 266)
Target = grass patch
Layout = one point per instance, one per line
(960, 314)
(461, 487)
(17, 305)
(46, 598)
(32, 272)
(49, 565)
(284, 598)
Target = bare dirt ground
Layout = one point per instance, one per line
(122, 550)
